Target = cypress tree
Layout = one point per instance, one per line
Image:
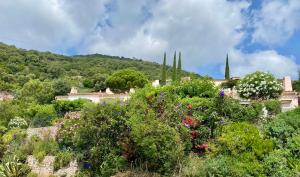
(174, 71)
(163, 72)
(227, 71)
(179, 68)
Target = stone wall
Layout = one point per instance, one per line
(43, 132)
(45, 168)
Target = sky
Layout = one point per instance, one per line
(256, 34)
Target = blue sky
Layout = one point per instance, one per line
(257, 34)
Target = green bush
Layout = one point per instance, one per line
(243, 137)
(61, 87)
(293, 144)
(283, 127)
(40, 148)
(158, 146)
(62, 107)
(62, 159)
(13, 134)
(273, 106)
(277, 164)
(197, 88)
(99, 136)
(17, 122)
(42, 115)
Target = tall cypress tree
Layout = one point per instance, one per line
(227, 71)
(174, 71)
(179, 68)
(164, 72)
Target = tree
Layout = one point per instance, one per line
(227, 72)
(61, 87)
(174, 71)
(123, 80)
(179, 67)
(37, 91)
(163, 73)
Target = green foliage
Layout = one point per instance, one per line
(293, 145)
(174, 70)
(42, 115)
(243, 137)
(61, 87)
(13, 134)
(196, 88)
(227, 72)
(37, 91)
(179, 68)
(11, 167)
(8, 111)
(273, 106)
(64, 106)
(229, 83)
(259, 85)
(163, 79)
(158, 146)
(283, 127)
(125, 79)
(62, 159)
(40, 148)
(277, 164)
(98, 135)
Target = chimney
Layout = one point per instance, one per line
(287, 84)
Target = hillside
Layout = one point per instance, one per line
(17, 66)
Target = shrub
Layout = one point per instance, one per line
(42, 115)
(283, 126)
(11, 167)
(8, 110)
(17, 122)
(259, 85)
(99, 137)
(62, 107)
(273, 106)
(13, 134)
(61, 87)
(293, 144)
(158, 146)
(62, 159)
(276, 164)
(243, 137)
(197, 88)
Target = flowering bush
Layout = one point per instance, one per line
(259, 85)
(17, 122)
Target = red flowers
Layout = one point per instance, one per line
(202, 146)
(188, 122)
(194, 134)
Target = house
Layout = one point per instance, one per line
(96, 97)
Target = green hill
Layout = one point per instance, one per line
(18, 66)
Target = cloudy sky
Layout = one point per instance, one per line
(257, 35)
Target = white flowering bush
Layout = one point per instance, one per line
(259, 86)
(17, 122)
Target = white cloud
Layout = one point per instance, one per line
(277, 21)
(203, 30)
(267, 61)
(51, 25)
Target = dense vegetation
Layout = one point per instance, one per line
(18, 66)
(188, 129)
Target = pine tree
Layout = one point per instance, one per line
(163, 72)
(227, 71)
(179, 67)
(174, 71)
